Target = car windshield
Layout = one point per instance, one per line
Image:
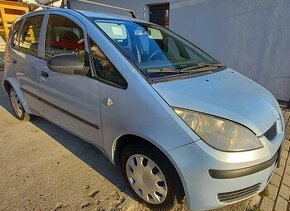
(157, 52)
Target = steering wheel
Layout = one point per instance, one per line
(154, 53)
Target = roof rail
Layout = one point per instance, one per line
(132, 12)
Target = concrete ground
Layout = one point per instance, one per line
(279, 187)
(43, 167)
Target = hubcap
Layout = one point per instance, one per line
(146, 179)
(16, 104)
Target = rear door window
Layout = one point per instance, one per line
(29, 36)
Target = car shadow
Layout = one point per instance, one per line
(88, 153)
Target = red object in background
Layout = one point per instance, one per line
(67, 44)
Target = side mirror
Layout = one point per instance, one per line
(67, 64)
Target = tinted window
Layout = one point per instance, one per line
(104, 67)
(15, 33)
(64, 36)
(29, 36)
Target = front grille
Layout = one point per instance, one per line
(271, 133)
(237, 195)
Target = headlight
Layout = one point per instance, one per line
(219, 133)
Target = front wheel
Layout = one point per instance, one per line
(148, 177)
(17, 106)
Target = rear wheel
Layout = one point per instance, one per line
(148, 177)
(17, 106)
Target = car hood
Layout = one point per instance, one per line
(226, 94)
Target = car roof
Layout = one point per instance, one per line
(101, 15)
(88, 14)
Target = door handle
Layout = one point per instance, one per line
(44, 74)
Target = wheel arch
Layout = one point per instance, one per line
(122, 142)
(12, 83)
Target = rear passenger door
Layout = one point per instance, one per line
(71, 101)
(26, 58)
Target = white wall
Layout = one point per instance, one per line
(250, 36)
(140, 6)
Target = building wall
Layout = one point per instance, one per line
(250, 36)
(140, 6)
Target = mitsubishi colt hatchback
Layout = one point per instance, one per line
(177, 121)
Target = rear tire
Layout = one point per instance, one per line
(17, 106)
(149, 177)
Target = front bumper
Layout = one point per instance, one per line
(203, 191)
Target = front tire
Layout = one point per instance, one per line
(149, 177)
(17, 106)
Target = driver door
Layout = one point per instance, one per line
(70, 101)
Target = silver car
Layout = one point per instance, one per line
(177, 121)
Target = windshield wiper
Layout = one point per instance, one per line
(203, 66)
(163, 70)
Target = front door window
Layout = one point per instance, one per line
(63, 36)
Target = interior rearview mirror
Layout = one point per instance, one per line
(67, 64)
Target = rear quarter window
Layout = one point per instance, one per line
(15, 34)
(29, 35)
